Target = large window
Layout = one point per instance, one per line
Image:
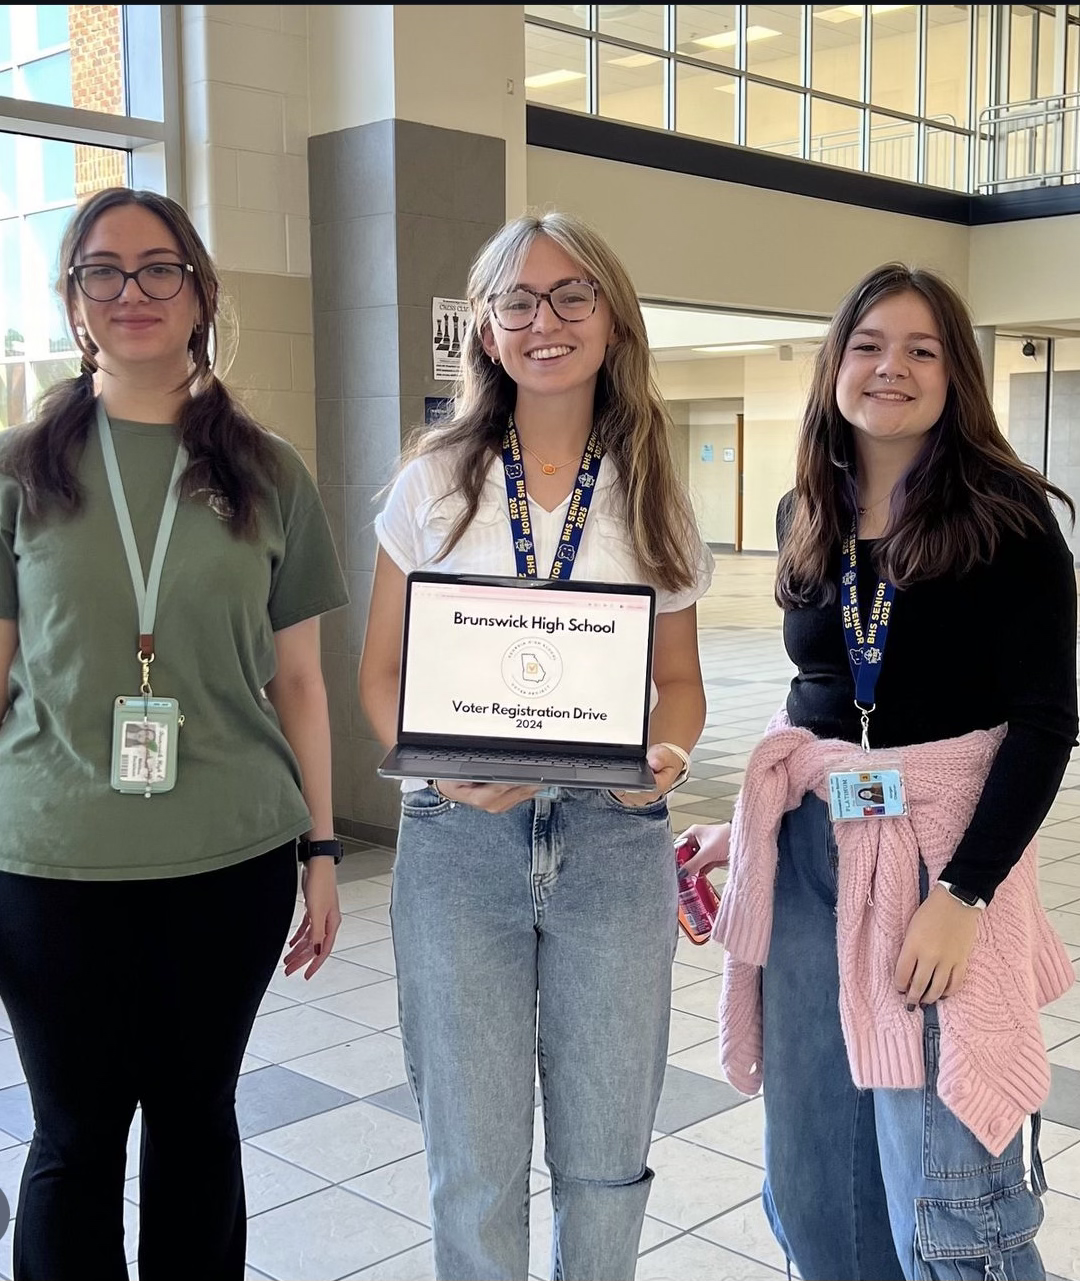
(83, 106)
(890, 89)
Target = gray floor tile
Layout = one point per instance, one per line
(689, 1097)
(370, 862)
(398, 1099)
(273, 1096)
(1063, 1105)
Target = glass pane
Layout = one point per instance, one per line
(772, 119)
(893, 56)
(52, 25)
(90, 73)
(774, 41)
(555, 67)
(1021, 42)
(947, 32)
(1020, 396)
(5, 33)
(892, 147)
(8, 203)
(705, 103)
(570, 15)
(48, 80)
(947, 159)
(631, 86)
(11, 334)
(834, 134)
(837, 50)
(641, 23)
(13, 407)
(7, 84)
(707, 31)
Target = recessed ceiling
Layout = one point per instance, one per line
(675, 332)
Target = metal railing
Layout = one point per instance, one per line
(1030, 144)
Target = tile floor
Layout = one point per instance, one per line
(332, 1149)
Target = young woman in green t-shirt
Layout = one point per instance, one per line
(157, 765)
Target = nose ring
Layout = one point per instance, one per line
(888, 379)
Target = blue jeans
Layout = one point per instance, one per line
(543, 936)
(868, 1184)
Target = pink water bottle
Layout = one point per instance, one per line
(699, 905)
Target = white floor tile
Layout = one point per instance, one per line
(380, 915)
(374, 1006)
(689, 1258)
(333, 976)
(702, 956)
(746, 1230)
(355, 896)
(416, 1264)
(1057, 1030)
(12, 1161)
(738, 1132)
(703, 1059)
(11, 1069)
(328, 1234)
(701, 998)
(694, 1184)
(369, 1063)
(401, 1186)
(376, 956)
(344, 1143)
(690, 1029)
(297, 1030)
(270, 1182)
(1059, 1237)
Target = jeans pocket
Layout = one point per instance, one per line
(423, 802)
(950, 1150)
(974, 1238)
(655, 808)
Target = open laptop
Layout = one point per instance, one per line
(518, 680)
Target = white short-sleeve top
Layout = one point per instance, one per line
(424, 504)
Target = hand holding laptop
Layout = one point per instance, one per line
(666, 766)
(496, 798)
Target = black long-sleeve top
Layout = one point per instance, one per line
(994, 646)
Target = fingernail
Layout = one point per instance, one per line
(910, 1008)
(318, 952)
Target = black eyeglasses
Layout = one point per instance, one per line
(158, 280)
(516, 309)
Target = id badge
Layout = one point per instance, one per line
(144, 743)
(870, 793)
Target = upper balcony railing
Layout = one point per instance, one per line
(1030, 144)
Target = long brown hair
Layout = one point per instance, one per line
(965, 488)
(629, 414)
(230, 452)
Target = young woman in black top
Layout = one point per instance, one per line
(907, 492)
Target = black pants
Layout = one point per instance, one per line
(128, 992)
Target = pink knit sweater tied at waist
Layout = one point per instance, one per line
(993, 1069)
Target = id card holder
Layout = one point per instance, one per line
(862, 793)
(144, 743)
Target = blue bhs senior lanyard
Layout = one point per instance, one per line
(865, 650)
(576, 514)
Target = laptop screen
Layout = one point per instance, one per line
(527, 663)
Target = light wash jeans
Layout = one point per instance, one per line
(543, 935)
(869, 1185)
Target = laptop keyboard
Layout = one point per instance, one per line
(525, 758)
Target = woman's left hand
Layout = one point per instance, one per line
(666, 768)
(933, 961)
(314, 940)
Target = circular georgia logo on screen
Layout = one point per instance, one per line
(532, 667)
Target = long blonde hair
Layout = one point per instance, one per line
(629, 414)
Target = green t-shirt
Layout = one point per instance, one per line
(66, 582)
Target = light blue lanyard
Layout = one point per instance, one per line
(146, 593)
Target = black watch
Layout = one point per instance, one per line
(968, 897)
(319, 849)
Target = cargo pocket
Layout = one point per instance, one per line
(950, 1150)
(989, 1238)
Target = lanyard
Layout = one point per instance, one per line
(146, 593)
(865, 650)
(576, 514)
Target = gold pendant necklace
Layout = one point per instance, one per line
(549, 469)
